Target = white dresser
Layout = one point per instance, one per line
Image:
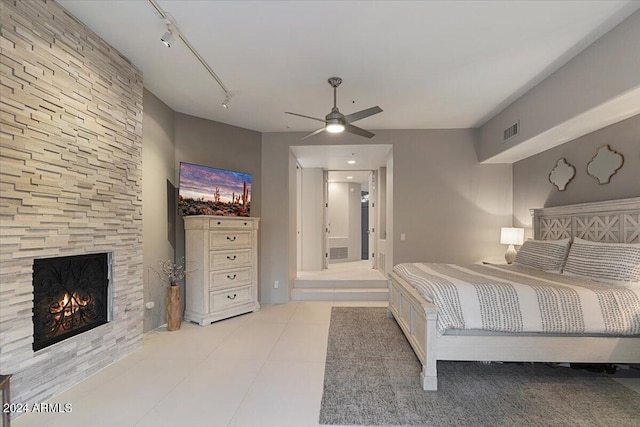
(221, 254)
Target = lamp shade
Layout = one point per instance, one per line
(511, 236)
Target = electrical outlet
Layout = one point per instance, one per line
(150, 305)
(403, 237)
(276, 284)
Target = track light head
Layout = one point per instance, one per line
(167, 38)
(226, 101)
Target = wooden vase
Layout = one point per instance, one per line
(174, 308)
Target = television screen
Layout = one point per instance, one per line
(205, 190)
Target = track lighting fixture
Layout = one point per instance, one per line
(225, 103)
(167, 38)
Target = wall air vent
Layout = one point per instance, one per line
(339, 253)
(511, 131)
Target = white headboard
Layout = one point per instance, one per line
(612, 221)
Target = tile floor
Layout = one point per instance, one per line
(260, 369)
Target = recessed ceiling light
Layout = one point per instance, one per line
(351, 162)
(349, 177)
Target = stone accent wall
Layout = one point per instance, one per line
(70, 183)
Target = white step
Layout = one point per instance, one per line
(364, 283)
(340, 294)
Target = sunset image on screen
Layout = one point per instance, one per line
(210, 191)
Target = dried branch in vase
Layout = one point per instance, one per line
(171, 271)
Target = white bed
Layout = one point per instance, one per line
(615, 221)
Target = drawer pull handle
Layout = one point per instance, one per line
(231, 258)
(231, 239)
(219, 223)
(231, 277)
(232, 297)
(245, 223)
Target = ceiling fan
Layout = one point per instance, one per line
(336, 122)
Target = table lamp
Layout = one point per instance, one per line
(511, 236)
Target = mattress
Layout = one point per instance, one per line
(516, 299)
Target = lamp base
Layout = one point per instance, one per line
(510, 255)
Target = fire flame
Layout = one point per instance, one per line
(68, 305)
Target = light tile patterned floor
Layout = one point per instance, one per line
(261, 369)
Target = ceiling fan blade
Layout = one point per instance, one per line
(306, 117)
(358, 131)
(350, 118)
(313, 133)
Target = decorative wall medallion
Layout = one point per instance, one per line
(605, 164)
(562, 174)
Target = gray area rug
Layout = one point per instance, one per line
(372, 378)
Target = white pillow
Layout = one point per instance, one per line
(613, 263)
(546, 255)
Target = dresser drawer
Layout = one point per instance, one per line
(230, 278)
(215, 223)
(229, 259)
(229, 239)
(228, 298)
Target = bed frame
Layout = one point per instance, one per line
(610, 221)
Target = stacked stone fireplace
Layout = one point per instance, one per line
(71, 180)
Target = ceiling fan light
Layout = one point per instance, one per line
(335, 127)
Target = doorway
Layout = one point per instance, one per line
(364, 229)
(324, 241)
(347, 236)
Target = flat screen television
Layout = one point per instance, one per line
(205, 190)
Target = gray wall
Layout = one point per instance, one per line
(449, 206)
(531, 186)
(603, 71)
(158, 203)
(168, 139)
(210, 143)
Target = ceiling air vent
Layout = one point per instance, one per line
(511, 131)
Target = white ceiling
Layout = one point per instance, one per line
(356, 177)
(428, 64)
(335, 157)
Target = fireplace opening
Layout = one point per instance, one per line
(70, 296)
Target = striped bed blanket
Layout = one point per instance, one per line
(519, 299)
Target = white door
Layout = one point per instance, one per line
(299, 216)
(325, 222)
(373, 192)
